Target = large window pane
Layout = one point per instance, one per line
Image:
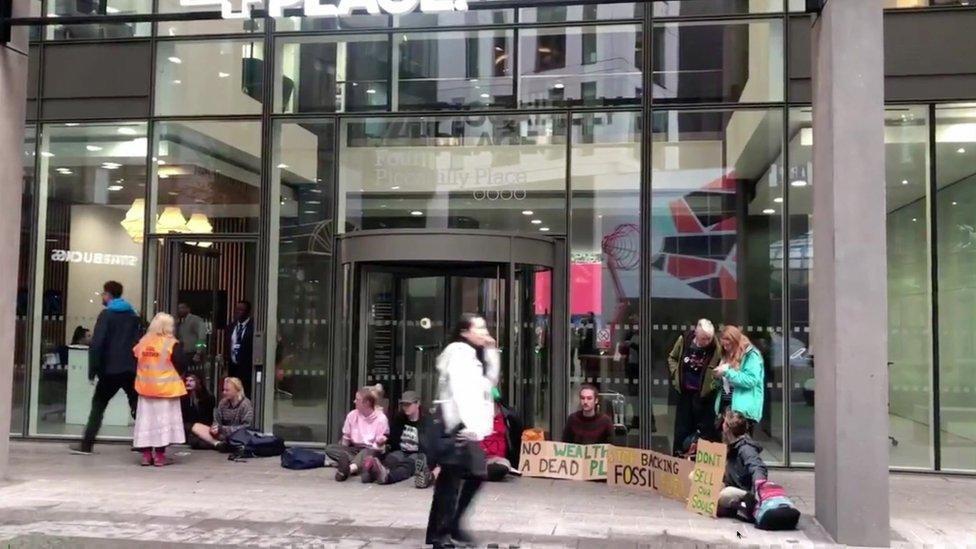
(495, 173)
(580, 66)
(23, 274)
(456, 18)
(210, 77)
(208, 177)
(716, 247)
(96, 180)
(211, 26)
(688, 8)
(956, 213)
(97, 31)
(909, 292)
(714, 62)
(304, 154)
(799, 263)
(455, 70)
(333, 74)
(589, 12)
(605, 268)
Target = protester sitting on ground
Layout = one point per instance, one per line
(234, 412)
(159, 422)
(363, 435)
(197, 406)
(588, 425)
(404, 458)
(692, 361)
(502, 446)
(741, 375)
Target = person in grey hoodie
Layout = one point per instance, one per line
(110, 360)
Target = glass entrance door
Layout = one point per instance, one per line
(406, 315)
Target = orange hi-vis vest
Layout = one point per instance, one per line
(156, 377)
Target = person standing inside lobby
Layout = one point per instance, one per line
(692, 362)
(191, 331)
(110, 360)
(240, 345)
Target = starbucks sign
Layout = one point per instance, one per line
(241, 9)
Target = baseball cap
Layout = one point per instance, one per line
(410, 396)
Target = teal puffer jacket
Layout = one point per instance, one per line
(748, 386)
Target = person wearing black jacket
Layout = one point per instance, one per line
(197, 406)
(240, 346)
(111, 360)
(744, 469)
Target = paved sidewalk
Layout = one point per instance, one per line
(106, 500)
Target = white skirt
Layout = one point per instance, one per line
(159, 423)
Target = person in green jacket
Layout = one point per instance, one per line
(692, 363)
(742, 377)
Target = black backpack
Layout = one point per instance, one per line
(247, 443)
(302, 458)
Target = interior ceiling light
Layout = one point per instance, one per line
(537, 222)
(135, 219)
(124, 130)
(416, 213)
(93, 148)
(171, 221)
(174, 59)
(769, 211)
(778, 200)
(544, 229)
(527, 212)
(115, 188)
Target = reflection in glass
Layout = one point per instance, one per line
(94, 174)
(454, 172)
(604, 294)
(956, 213)
(589, 12)
(211, 26)
(689, 8)
(716, 248)
(304, 156)
(210, 77)
(909, 292)
(208, 171)
(333, 74)
(23, 283)
(739, 61)
(455, 18)
(455, 69)
(580, 66)
(97, 31)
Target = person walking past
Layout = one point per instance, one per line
(110, 359)
(159, 419)
(692, 362)
(742, 377)
(469, 368)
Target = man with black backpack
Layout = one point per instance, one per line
(692, 361)
(110, 359)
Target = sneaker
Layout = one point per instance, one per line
(342, 468)
(422, 478)
(380, 473)
(80, 450)
(368, 473)
(222, 447)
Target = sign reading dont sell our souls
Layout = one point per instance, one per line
(696, 484)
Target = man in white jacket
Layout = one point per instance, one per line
(469, 369)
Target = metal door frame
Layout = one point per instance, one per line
(418, 246)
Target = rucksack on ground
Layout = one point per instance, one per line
(774, 510)
(247, 443)
(302, 458)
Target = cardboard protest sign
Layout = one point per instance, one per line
(549, 459)
(647, 470)
(706, 481)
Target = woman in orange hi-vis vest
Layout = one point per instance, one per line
(159, 421)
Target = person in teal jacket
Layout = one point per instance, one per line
(742, 376)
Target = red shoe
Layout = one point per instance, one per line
(147, 458)
(160, 459)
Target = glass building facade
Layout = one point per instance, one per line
(660, 153)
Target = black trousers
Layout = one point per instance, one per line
(453, 494)
(105, 389)
(401, 466)
(693, 413)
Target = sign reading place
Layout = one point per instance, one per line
(241, 9)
